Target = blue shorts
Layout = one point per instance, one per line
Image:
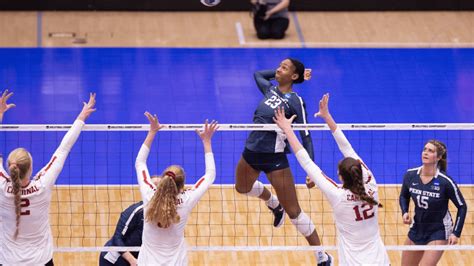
(266, 162)
(423, 238)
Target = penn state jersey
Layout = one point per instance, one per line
(431, 202)
(128, 232)
(271, 141)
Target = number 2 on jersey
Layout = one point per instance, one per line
(367, 212)
(273, 102)
(25, 203)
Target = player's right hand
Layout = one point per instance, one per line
(406, 218)
(309, 183)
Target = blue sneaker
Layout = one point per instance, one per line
(279, 214)
(329, 262)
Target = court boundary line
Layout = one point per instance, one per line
(299, 30)
(39, 29)
(240, 33)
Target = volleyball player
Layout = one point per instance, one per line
(4, 106)
(128, 233)
(431, 188)
(24, 202)
(265, 151)
(167, 205)
(355, 204)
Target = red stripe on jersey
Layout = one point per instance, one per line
(363, 164)
(145, 180)
(199, 183)
(329, 179)
(2, 175)
(368, 179)
(50, 164)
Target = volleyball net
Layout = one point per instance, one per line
(98, 181)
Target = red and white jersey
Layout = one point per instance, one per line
(167, 246)
(359, 241)
(34, 244)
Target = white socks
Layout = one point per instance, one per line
(272, 202)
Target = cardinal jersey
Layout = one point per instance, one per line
(359, 241)
(167, 246)
(34, 244)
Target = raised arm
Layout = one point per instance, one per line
(327, 186)
(4, 106)
(263, 78)
(203, 184)
(341, 140)
(147, 188)
(50, 172)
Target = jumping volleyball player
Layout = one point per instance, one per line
(167, 205)
(355, 204)
(265, 151)
(24, 202)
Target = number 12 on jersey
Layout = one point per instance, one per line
(367, 212)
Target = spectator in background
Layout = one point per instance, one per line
(270, 18)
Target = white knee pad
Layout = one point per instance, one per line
(257, 189)
(303, 224)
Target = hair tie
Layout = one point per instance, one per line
(169, 173)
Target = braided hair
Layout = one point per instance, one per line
(350, 170)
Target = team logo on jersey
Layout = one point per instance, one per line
(434, 187)
(288, 95)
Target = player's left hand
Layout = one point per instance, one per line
(155, 125)
(453, 240)
(307, 73)
(88, 108)
(4, 106)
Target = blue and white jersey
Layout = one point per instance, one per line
(431, 202)
(128, 232)
(271, 141)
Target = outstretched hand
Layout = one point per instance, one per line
(88, 107)
(154, 122)
(208, 132)
(281, 120)
(4, 106)
(323, 107)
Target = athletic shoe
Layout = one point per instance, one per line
(329, 262)
(279, 214)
